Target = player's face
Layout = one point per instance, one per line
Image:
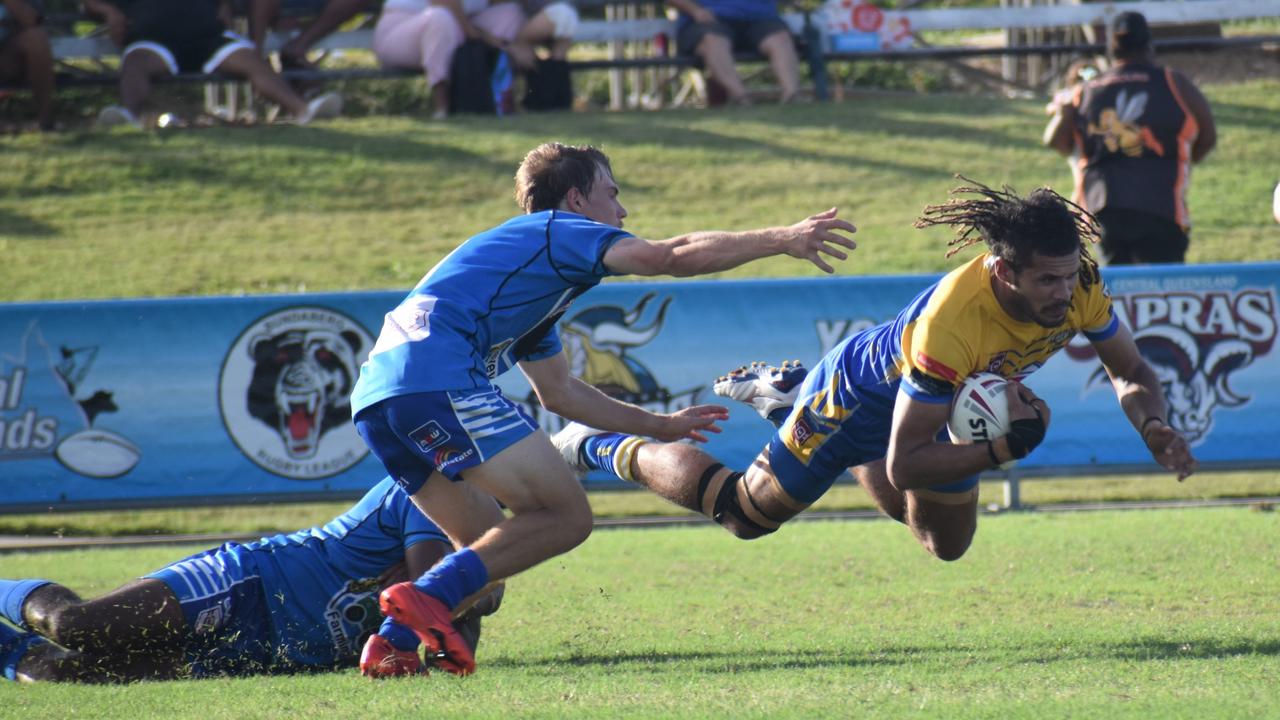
(1044, 288)
(601, 204)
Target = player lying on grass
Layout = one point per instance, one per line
(878, 402)
(287, 603)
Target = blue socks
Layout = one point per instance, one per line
(612, 453)
(400, 636)
(14, 645)
(454, 578)
(13, 593)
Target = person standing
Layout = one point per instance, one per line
(1133, 133)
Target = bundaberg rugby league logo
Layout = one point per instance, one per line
(285, 392)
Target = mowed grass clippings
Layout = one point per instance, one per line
(371, 203)
(1140, 614)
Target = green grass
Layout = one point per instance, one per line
(1154, 614)
(285, 517)
(373, 202)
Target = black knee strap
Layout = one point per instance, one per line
(727, 503)
(705, 480)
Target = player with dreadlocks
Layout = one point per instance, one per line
(877, 403)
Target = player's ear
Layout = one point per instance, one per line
(573, 200)
(1002, 270)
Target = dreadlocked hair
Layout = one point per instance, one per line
(1014, 228)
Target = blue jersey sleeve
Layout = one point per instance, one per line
(578, 246)
(548, 346)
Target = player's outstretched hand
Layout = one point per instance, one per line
(816, 235)
(692, 423)
(1170, 449)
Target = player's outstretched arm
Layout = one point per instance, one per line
(1142, 398)
(571, 398)
(709, 251)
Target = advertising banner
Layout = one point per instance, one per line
(202, 400)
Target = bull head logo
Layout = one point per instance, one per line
(597, 340)
(1195, 379)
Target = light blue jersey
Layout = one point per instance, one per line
(307, 599)
(489, 304)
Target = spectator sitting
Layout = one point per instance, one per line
(163, 37)
(416, 33)
(326, 16)
(25, 55)
(712, 30)
(551, 24)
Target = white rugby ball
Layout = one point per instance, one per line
(979, 410)
(98, 453)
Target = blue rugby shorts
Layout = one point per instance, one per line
(446, 432)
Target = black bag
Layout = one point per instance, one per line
(470, 81)
(549, 87)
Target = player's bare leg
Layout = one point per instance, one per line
(944, 523)
(550, 516)
(749, 505)
(143, 617)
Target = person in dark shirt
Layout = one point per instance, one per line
(1132, 133)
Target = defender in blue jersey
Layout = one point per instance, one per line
(877, 403)
(426, 404)
(286, 603)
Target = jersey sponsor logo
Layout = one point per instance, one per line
(352, 614)
(497, 360)
(211, 618)
(429, 436)
(1120, 129)
(45, 412)
(1195, 342)
(285, 391)
(599, 341)
(408, 322)
(450, 456)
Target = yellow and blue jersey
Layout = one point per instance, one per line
(955, 327)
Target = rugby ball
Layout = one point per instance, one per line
(98, 453)
(979, 410)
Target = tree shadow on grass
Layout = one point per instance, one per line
(17, 225)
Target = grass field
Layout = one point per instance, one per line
(373, 202)
(1155, 614)
(1152, 614)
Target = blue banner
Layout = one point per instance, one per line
(207, 399)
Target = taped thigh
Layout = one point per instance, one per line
(727, 497)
